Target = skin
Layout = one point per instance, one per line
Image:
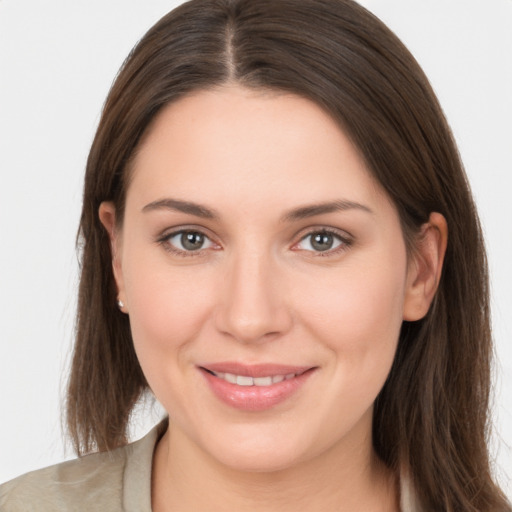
(258, 291)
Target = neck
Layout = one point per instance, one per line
(347, 478)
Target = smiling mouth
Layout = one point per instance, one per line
(246, 380)
(255, 388)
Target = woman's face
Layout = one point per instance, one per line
(265, 276)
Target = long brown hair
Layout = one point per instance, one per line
(431, 417)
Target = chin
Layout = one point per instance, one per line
(260, 453)
(251, 461)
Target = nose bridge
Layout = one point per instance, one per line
(253, 304)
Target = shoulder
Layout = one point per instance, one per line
(94, 479)
(100, 481)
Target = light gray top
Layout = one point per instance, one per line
(116, 481)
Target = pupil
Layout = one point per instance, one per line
(192, 241)
(322, 241)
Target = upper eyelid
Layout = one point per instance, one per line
(170, 232)
(342, 233)
(345, 240)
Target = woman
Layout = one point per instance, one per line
(275, 242)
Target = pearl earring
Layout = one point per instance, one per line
(120, 304)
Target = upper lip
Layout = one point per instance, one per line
(254, 370)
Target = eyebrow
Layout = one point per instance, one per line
(304, 212)
(300, 213)
(181, 206)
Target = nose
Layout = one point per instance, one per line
(253, 306)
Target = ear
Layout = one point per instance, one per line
(425, 266)
(107, 215)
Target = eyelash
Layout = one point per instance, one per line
(165, 242)
(345, 242)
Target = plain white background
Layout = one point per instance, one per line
(57, 61)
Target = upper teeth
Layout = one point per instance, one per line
(244, 380)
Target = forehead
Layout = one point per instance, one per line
(257, 145)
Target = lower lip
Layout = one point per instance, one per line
(255, 398)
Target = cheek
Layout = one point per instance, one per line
(357, 318)
(167, 310)
(357, 314)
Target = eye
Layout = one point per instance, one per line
(322, 241)
(188, 241)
